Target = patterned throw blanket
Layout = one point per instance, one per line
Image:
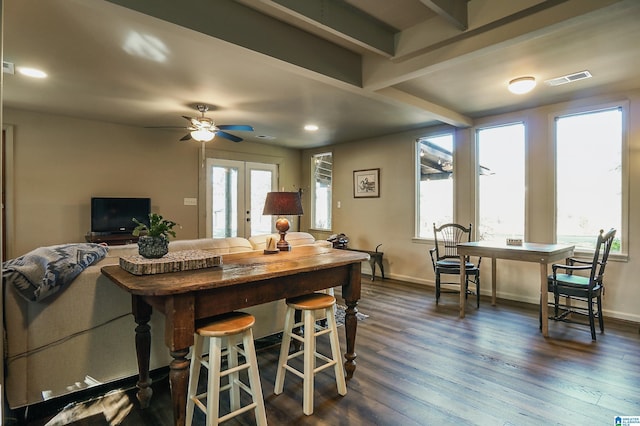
(46, 270)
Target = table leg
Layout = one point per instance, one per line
(463, 286)
(351, 328)
(493, 281)
(544, 298)
(142, 314)
(179, 381)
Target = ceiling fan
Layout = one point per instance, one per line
(203, 129)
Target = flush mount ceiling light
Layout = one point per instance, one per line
(522, 85)
(311, 127)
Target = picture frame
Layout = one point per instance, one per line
(366, 183)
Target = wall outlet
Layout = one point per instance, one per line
(190, 201)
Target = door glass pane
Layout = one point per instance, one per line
(224, 202)
(260, 183)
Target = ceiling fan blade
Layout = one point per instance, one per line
(186, 137)
(235, 127)
(228, 136)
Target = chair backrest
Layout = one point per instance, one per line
(600, 256)
(447, 237)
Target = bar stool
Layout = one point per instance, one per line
(308, 304)
(225, 331)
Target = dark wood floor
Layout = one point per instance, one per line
(419, 364)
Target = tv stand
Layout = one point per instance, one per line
(110, 239)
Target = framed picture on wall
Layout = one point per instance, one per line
(366, 183)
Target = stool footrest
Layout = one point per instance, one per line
(234, 369)
(237, 412)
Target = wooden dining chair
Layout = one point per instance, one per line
(586, 289)
(446, 261)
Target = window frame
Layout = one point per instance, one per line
(623, 233)
(505, 122)
(416, 148)
(312, 223)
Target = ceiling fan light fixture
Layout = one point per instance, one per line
(522, 85)
(203, 135)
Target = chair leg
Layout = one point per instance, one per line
(234, 378)
(309, 361)
(437, 287)
(335, 353)
(284, 351)
(254, 378)
(478, 292)
(466, 288)
(600, 319)
(213, 386)
(592, 322)
(194, 373)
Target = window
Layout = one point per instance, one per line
(501, 182)
(589, 184)
(434, 156)
(321, 170)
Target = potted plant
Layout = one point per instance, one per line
(154, 238)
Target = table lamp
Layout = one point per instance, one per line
(280, 204)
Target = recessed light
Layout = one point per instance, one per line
(522, 85)
(311, 127)
(32, 72)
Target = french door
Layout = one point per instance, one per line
(235, 195)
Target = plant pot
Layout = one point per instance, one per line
(153, 247)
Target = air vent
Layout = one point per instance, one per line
(7, 67)
(568, 78)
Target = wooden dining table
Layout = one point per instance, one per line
(544, 254)
(243, 280)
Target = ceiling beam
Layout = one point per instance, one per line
(439, 112)
(245, 27)
(341, 19)
(490, 36)
(454, 11)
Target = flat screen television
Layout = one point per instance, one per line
(111, 215)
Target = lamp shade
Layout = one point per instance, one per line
(283, 203)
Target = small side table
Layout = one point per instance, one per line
(375, 257)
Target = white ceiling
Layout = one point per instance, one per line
(259, 62)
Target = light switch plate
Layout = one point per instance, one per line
(190, 201)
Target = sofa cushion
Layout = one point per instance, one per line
(217, 245)
(45, 270)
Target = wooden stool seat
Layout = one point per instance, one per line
(231, 335)
(309, 304)
(227, 324)
(312, 301)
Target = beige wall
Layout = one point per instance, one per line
(58, 163)
(390, 219)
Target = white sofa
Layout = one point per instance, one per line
(84, 335)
